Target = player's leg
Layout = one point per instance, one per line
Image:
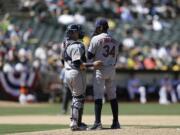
(77, 83)
(131, 93)
(69, 95)
(98, 87)
(178, 91)
(77, 108)
(173, 96)
(66, 98)
(83, 89)
(78, 93)
(142, 92)
(163, 96)
(111, 94)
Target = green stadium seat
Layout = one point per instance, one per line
(47, 35)
(58, 35)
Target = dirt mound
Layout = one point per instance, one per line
(131, 125)
(123, 131)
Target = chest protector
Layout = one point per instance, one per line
(67, 57)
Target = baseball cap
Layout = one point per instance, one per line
(101, 22)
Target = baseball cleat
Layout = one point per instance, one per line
(115, 125)
(82, 126)
(73, 125)
(96, 126)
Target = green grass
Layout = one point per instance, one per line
(13, 128)
(54, 109)
(46, 109)
(149, 109)
(124, 109)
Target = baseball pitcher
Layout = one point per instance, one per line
(104, 48)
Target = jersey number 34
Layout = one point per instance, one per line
(109, 51)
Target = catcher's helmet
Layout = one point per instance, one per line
(74, 28)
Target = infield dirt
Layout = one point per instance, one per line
(131, 125)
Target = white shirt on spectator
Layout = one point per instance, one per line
(128, 42)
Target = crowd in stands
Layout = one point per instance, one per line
(16, 47)
(19, 49)
(140, 52)
(126, 10)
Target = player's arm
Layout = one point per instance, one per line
(77, 63)
(82, 66)
(96, 64)
(92, 49)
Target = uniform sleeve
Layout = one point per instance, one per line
(93, 46)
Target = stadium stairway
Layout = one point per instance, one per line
(9, 6)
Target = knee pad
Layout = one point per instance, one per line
(78, 102)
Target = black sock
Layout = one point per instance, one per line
(114, 108)
(98, 108)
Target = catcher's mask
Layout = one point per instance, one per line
(74, 28)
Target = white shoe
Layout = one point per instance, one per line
(73, 125)
(143, 100)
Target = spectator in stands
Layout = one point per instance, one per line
(149, 63)
(167, 91)
(135, 87)
(126, 14)
(156, 24)
(13, 36)
(27, 35)
(128, 41)
(41, 54)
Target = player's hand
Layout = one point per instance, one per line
(82, 67)
(97, 64)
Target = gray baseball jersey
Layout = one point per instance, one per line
(75, 77)
(106, 49)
